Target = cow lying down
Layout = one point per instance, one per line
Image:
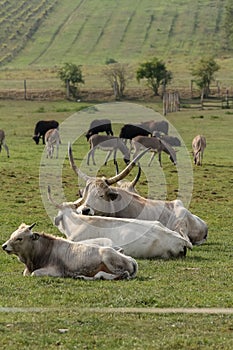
(137, 238)
(47, 255)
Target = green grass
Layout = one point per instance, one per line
(202, 279)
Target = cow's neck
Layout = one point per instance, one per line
(40, 256)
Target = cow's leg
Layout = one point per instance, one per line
(43, 138)
(101, 275)
(119, 265)
(50, 271)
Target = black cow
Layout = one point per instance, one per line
(42, 127)
(99, 125)
(129, 131)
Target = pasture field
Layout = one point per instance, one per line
(52, 313)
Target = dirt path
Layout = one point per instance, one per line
(126, 310)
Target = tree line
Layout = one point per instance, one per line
(153, 72)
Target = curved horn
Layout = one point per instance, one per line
(126, 171)
(58, 206)
(77, 171)
(31, 226)
(137, 177)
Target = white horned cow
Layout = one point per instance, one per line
(198, 146)
(138, 238)
(47, 255)
(101, 198)
(156, 145)
(3, 142)
(107, 143)
(52, 139)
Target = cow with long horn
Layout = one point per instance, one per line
(101, 198)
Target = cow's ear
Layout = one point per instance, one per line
(35, 236)
(113, 195)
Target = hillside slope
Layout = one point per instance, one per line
(91, 31)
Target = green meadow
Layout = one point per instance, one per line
(38, 313)
(183, 304)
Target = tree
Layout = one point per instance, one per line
(71, 75)
(204, 74)
(117, 75)
(155, 73)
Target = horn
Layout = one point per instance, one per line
(137, 177)
(31, 226)
(126, 171)
(58, 206)
(77, 171)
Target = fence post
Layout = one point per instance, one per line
(25, 89)
(202, 99)
(165, 103)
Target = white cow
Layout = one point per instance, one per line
(137, 238)
(52, 139)
(101, 198)
(47, 255)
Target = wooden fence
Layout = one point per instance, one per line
(171, 102)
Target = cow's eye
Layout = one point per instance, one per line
(19, 239)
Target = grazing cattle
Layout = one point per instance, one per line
(160, 126)
(42, 127)
(3, 142)
(101, 198)
(99, 125)
(156, 145)
(52, 139)
(107, 143)
(47, 255)
(198, 145)
(129, 131)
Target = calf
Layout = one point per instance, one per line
(42, 127)
(47, 255)
(3, 142)
(52, 139)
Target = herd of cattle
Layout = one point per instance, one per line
(111, 224)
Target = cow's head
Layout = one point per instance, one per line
(20, 241)
(99, 194)
(36, 138)
(191, 225)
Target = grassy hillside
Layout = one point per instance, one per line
(89, 32)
